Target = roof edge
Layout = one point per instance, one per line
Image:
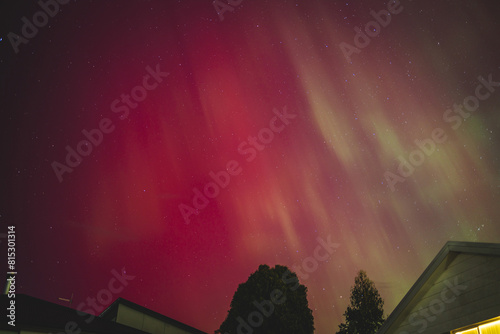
(465, 247)
(150, 312)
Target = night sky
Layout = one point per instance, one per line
(310, 131)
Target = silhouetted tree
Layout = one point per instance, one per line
(271, 301)
(365, 314)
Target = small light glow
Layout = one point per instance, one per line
(469, 331)
(490, 328)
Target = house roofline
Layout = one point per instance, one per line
(114, 307)
(464, 247)
(52, 313)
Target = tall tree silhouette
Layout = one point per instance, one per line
(365, 314)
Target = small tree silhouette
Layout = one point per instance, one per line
(365, 314)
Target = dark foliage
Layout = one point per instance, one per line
(271, 301)
(365, 314)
